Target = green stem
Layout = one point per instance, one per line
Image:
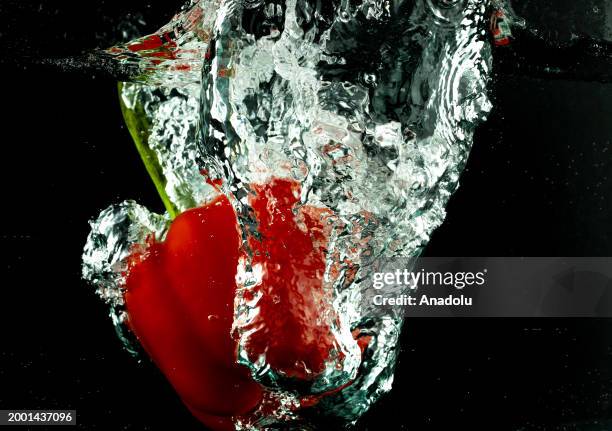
(136, 121)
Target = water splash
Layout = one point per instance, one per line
(369, 105)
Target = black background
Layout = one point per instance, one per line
(538, 183)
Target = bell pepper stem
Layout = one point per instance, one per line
(139, 127)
